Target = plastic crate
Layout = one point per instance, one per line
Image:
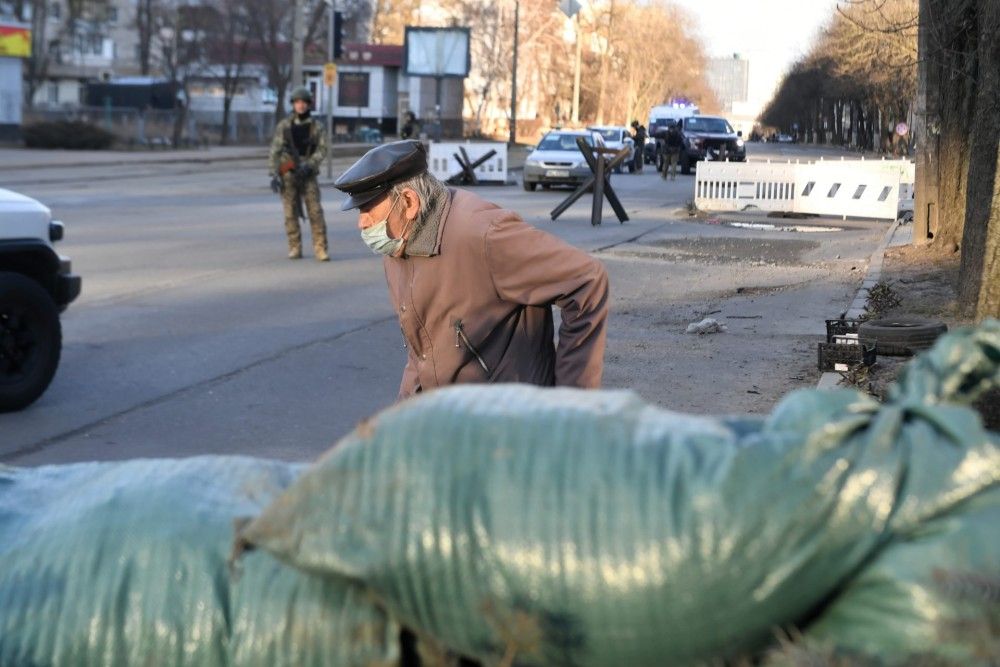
(844, 354)
(841, 327)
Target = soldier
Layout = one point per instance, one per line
(297, 152)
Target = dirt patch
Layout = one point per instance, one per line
(753, 251)
(926, 280)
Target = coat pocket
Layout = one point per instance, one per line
(462, 339)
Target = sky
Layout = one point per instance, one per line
(771, 34)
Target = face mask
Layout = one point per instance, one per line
(377, 237)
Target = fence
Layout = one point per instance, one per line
(856, 188)
(155, 127)
(443, 164)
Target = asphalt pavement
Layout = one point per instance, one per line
(195, 335)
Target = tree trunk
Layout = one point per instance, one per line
(604, 65)
(989, 291)
(227, 103)
(955, 60)
(983, 140)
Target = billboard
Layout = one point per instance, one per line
(15, 40)
(438, 52)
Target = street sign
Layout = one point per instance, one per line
(15, 40)
(569, 7)
(329, 74)
(902, 129)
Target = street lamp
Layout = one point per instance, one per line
(331, 8)
(513, 82)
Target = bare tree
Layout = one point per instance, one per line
(145, 11)
(231, 34)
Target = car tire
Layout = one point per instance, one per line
(901, 336)
(546, 186)
(529, 186)
(30, 341)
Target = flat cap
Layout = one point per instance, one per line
(379, 169)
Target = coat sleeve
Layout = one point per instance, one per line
(534, 268)
(277, 145)
(319, 153)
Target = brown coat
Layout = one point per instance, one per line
(483, 281)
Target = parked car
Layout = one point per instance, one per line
(36, 284)
(557, 159)
(710, 138)
(618, 137)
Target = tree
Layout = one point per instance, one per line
(232, 35)
(81, 18)
(144, 22)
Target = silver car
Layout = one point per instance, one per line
(557, 159)
(618, 137)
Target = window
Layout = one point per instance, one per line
(52, 91)
(55, 10)
(554, 141)
(352, 89)
(112, 15)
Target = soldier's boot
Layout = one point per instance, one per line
(294, 239)
(319, 242)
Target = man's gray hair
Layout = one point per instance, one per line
(429, 191)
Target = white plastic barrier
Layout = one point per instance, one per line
(443, 164)
(857, 188)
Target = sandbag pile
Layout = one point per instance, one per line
(126, 564)
(589, 528)
(524, 526)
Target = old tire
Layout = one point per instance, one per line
(901, 336)
(30, 341)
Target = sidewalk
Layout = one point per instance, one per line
(897, 235)
(33, 158)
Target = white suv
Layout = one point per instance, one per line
(36, 284)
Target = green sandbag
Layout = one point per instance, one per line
(589, 528)
(931, 598)
(127, 564)
(960, 368)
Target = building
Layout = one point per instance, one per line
(371, 91)
(729, 78)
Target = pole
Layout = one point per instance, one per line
(298, 30)
(576, 73)
(331, 7)
(513, 82)
(438, 83)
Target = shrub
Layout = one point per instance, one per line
(66, 134)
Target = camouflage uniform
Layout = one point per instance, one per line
(295, 190)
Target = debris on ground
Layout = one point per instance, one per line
(708, 325)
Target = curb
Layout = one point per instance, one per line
(191, 158)
(829, 379)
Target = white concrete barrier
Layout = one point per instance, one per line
(856, 188)
(443, 164)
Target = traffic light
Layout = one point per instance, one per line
(338, 34)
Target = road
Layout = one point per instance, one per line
(194, 334)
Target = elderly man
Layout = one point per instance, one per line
(473, 285)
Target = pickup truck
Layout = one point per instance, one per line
(36, 285)
(710, 138)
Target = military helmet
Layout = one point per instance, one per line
(302, 93)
